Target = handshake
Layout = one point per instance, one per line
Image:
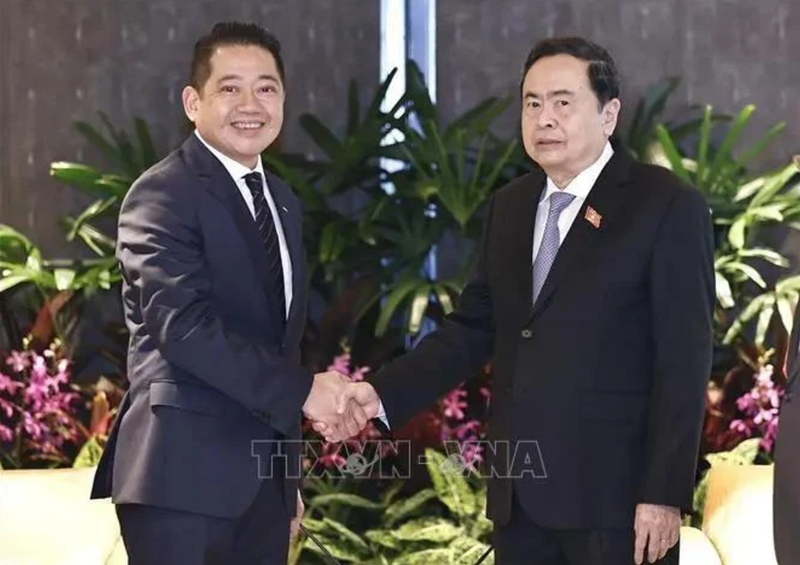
(338, 407)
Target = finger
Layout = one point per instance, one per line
(641, 542)
(319, 426)
(341, 431)
(335, 432)
(660, 546)
(665, 545)
(330, 432)
(343, 399)
(676, 536)
(359, 415)
(350, 424)
(653, 546)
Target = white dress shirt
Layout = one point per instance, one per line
(579, 187)
(238, 172)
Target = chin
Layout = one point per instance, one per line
(253, 146)
(548, 158)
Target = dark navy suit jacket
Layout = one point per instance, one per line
(215, 379)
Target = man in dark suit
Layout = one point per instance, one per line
(214, 294)
(786, 503)
(593, 297)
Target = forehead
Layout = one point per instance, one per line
(557, 72)
(243, 60)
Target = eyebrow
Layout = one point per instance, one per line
(552, 93)
(238, 77)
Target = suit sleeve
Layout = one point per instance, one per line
(448, 355)
(683, 297)
(160, 249)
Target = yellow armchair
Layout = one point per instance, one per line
(737, 519)
(46, 518)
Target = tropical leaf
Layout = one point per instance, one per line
(345, 499)
(450, 484)
(436, 530)
(425, 557)
(407, 507)
(467, 551)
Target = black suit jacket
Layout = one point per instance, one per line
(606, 372)
(786, 502)
(211, 370)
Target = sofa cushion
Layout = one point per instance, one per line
(738, 513)
(46, 517)
(696, 548)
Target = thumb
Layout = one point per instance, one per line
(344, 398)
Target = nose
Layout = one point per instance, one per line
(248, 100)
(545, 119)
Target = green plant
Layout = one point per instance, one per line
(129, 158)
(742, 204)
(640, 136)
(61, 287)
(370, 260)
(56, 288)
(443, 524)
(349, 167)
(449, 174)
(21, 262)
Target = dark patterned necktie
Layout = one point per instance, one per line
(269, 237)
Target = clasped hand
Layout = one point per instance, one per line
(338, 407)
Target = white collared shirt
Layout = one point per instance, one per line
(580, 187)
(238, 172)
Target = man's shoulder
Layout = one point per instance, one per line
(521, 184)
(169, 172)
(658, 178)
(661, 188)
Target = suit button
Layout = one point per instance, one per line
(526, 334)
(261, 415)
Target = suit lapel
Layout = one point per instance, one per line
(521, 218)
(216, 179)
(582, 237)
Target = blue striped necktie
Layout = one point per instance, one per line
(550, 241)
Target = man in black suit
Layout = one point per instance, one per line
(786, 503)
(593, 297)
(214, 294)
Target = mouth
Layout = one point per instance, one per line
(548, 143)
(248, 125)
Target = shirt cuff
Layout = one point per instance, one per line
(382, 416)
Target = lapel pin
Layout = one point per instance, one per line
(284, 209)
(593, 217)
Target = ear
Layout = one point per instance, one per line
(191, 102)
(610, 116)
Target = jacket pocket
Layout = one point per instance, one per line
(188, 397)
